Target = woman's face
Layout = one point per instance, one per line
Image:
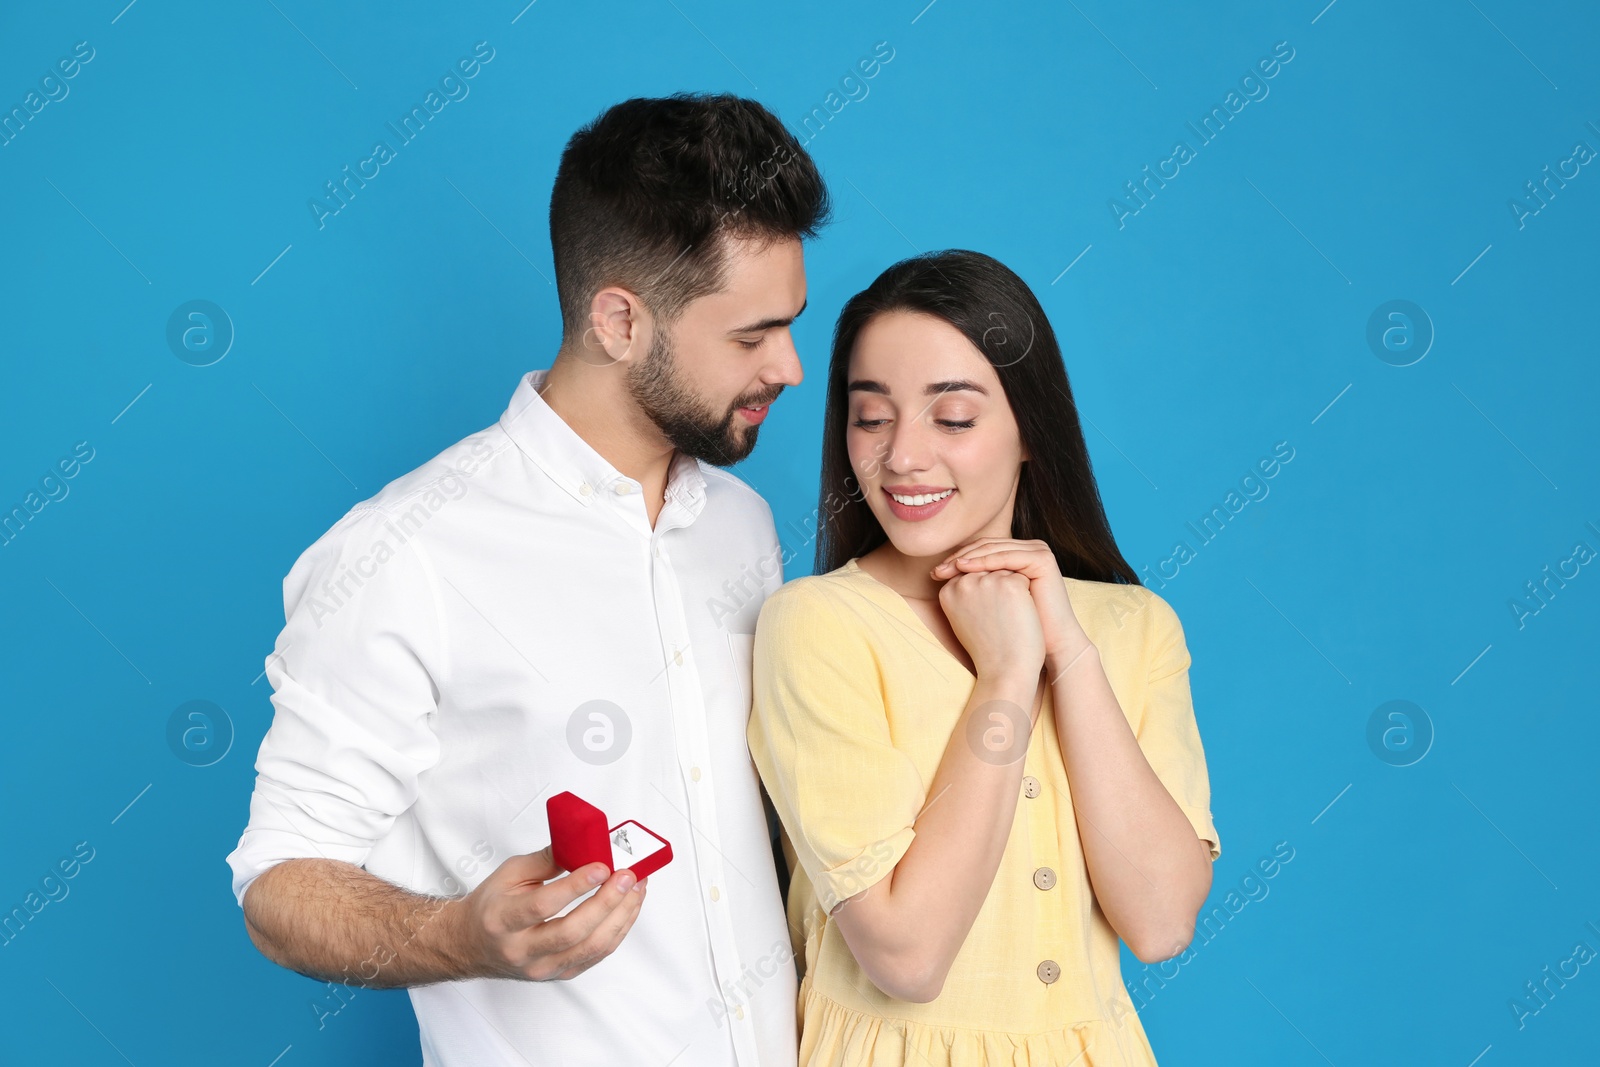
(931, 436)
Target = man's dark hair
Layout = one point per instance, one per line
(648, 191)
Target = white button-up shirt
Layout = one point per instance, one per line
(503, 624)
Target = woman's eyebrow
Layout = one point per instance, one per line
(955, 385)
(867, 385)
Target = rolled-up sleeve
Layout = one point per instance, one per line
(1168, 733)
(354, 678)
(819, 734)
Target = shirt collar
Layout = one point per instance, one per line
(572, 463)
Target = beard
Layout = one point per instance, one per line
(693, 425)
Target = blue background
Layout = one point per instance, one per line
(1230, 313)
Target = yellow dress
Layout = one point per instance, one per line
(854, 701)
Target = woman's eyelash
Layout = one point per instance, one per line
(867, 424)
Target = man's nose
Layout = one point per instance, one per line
(786, 369)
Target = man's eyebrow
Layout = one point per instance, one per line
(770, 324)
(867, 385)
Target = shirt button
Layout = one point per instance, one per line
(715, 894)
(677, 657)
(623, 489)
(694, 772)
(585, 488)
(738, 1011)
(1044, 878)
(658, 551)
(1048, 971)
(1030, 786)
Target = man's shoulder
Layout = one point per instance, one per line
(398, 510)
(737, 509)
(446, 475)
(732, 491)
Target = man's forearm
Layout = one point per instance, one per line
(335, 922)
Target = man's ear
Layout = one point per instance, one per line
(617, 319)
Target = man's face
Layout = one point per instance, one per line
(709, 377)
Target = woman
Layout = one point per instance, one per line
(972, 645)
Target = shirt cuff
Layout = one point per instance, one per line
(1204, 828)
(863, 872)
(273, 837)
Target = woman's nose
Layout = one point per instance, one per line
(907, 449)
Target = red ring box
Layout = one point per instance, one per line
(578, 835)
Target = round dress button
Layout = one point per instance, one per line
(1044, 878)
(585, 489)
(1030, 786)
(623, 489)
(1048, 971)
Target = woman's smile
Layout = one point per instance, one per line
(913, 503)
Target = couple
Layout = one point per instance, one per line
(966, 744)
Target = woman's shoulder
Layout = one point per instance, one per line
(832, 598)
(813, 591)
(1129, 616)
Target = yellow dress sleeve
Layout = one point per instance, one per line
(819, 734)
(1168, 733)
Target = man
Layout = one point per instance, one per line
(563, 601)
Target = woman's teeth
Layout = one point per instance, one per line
(921, 498)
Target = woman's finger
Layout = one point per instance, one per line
(1026, 563)
(1002, 556)
(977, 547)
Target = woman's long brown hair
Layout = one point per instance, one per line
(1058, 501)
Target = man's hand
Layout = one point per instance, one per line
(510, 920)
(334, 921)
